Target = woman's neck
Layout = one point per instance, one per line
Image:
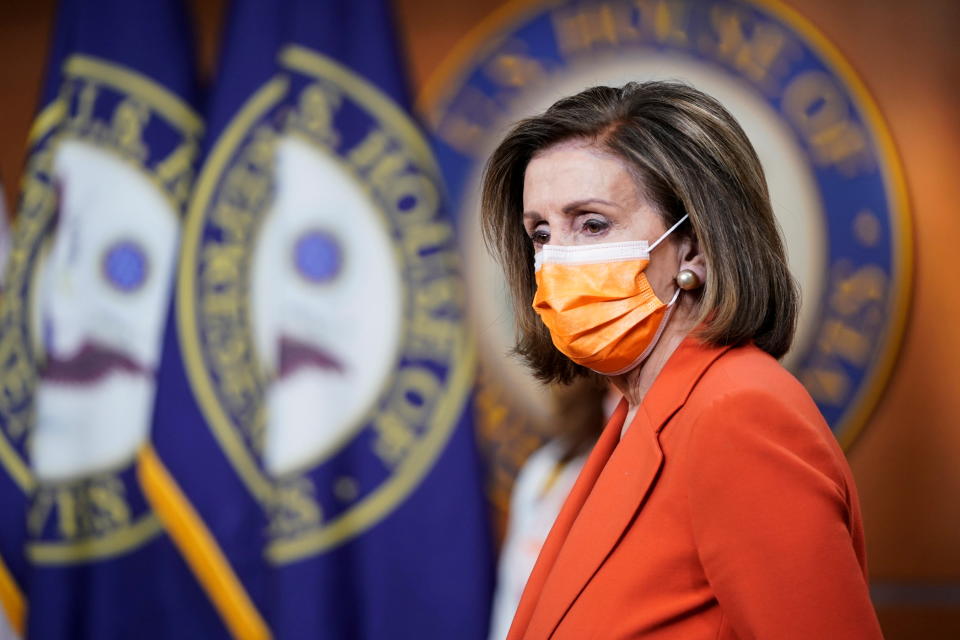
(635, 383)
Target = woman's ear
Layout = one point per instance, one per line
(691, 258)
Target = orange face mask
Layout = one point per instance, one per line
(598, 305)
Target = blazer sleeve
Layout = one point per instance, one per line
(772, 520)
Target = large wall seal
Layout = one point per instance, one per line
(835, 178)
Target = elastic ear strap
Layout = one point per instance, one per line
(668, 232)
(676, 294)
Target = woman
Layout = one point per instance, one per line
(636, 233)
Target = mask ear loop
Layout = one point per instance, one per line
(668, 232)
(666, 317)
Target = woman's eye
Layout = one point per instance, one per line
(540, 236)
(594, 226)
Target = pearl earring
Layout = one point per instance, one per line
(688, 280)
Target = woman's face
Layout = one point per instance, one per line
(575, 194)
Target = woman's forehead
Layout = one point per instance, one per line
(569, 173)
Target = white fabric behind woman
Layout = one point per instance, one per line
(540, 490)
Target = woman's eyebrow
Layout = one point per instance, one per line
(579, 204)
(531, 216)
(570, 207)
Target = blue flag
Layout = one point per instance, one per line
(314, 400)
(109, 171)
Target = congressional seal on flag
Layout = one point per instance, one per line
(320, 304)
(88, 285)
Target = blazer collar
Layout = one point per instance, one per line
(611, 488)
(679, 376)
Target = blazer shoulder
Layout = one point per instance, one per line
(748, 370)
(748, 395)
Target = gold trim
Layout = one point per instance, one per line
(114, 544)
(170, 105)
(437, 92)
(17, 469)
(47, 119)
(200, 549)
(12, 600)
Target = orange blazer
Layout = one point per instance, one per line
(726, 511)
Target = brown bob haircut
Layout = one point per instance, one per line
(690, 157)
